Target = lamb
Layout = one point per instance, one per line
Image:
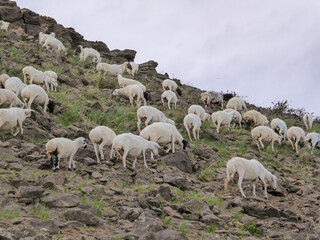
(151, 115)
(255, 118)
(37, 77)
(53, 79)
(101, 136)
(209, 96)
(37, 95)
(222, 118)
(13, 117)
(237, 119)
(133, 92)
(43, 37)
(130, 145)
(313, 139)
(55, 44)
(9, 99)
(64, 148)
(199, 111)
(132, 68)
(89, 52)
(192, 122)
(15, 85)
(3, 79)
(266, 134)
(123, 82)
(307, 120)
(171, 98)
(251, 170)
(171, 85)
(238, 104)
(280, 127)
(4, 25)
(296, 135)
(112, 69)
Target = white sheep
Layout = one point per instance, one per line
(112, 69)
(308, 120)
(221, 118)
(130, 145)
(37, 77)
(280, 127)
(3, 79)
(250, 170)
(64, 148)
(238, 118)
(89, 53)
(296, 135)
(43, 37)
(15, 85)
(255, 118)
(313, 139)
(53, 82)
(211, 96)
(34, 94)
(171, 85)
(54, 44)
(238, 104)
(148, 114)
(123, 82)
(171, 98)
(199, 111)
(9, 99)
(262, 134)
(101, 136)
(192, 122)
(4, 25)
(132, 68)
(13, 117)
(133, 92)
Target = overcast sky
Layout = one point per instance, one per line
(264, 50)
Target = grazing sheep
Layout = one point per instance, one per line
(9, 99)
(130, 145)
(53, 82)
(171, 85)
(250, 170)
(13, 117)
(15, 85)
(132, 68)
(43, 37)
(171, 98)
(199, 111)
(266, 134)
(123, 82)
(255, 118)
(150, 114)
(313, 139)
(3, 79)
(37, 77)
(101, 136)
(4, 25)
(296, 135)
(89, 53)
(210, 96)
(307, 120)
(222, 118)
(133, 92)
(37, 95)
(55, 44)
(112, 69)
(238, 104)
(64, 148)
(280, 127)
(192, 122)
(238, 118)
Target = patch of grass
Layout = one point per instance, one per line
(144, 188)
(183, 228)
(167, 220)
(60, 236)
(238, 216)
(251, 228)
(42, 212)
(211, 229)
(9, 214)
(69, 116)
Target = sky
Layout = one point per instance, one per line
(262, 50)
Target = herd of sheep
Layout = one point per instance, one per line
(159, 130)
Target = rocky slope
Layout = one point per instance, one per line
(179, 197)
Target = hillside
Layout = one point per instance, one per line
(179, 197)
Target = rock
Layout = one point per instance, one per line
(168, 210)
(179, 160)
(147, 236)
(29, 192)
(169, 234)
(53, 179)
(211, 219)
(128, 213)
(15, 166)
(89, 161)
(49, 226)
(59, 132)
(61, 200)
(165, 192)
(3, 201)
(177, 181)
(148, 66)
(10, 13)
(82, 216)
(96, 175)
(122, 56)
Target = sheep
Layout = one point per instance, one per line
(37, 77)
(150, 115)
(15, 85)
(64, 148)
(192, 121)
(9, 99)
(313, 139)
(280, 127)
(238, 118)
(171, 85)
(37, 95)
(255, 118)
(54, 43)
(53, 79)
(199, 111)
(133, 92)
(43, 37)
(171, 98)
(112, 69)
(266, 134)
(209, 96)
(296, 135)
(89, 52)
(251, 170)
(4, 25)
(130, 145)
(163, 134)
(123, 82)
(132, 68)
(223, 118)
(238, 104)
(307, 120)
(101, 136)
(3, 79)
(13, 117)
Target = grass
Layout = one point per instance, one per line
(238, 216)
(71, 115)
(184, 196)
(211, 229)
(183, 228)
(251, 228)
(9, 213)
(42, 212)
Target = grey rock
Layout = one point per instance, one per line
(61, 200)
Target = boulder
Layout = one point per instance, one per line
(29, 192)
(82, 216)
(61, 200)
(169, 234)
(179, 160)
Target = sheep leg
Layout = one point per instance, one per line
(111, 152)
(194, 133)
(20, 125)
(254, 189)
(256, 141)
(124, 156)
(45, 106)
(16, 133)
(260, 141)
(131, 100)
(47, 86)
(31, 99)
(96, 151)
(144, 102)
(188, 131)
(169, 101)
(241, 175)
(56, 167)
(218, 127)
(173, 141)
(198, 133)
(144, 158)
(162, 101)
(152, 156)
(227, 180)
(297, 147)
(138, 124)
(134, 163)
(291, 142)
(148, 120)
(265, 187)
(101, 150)
(272, 145)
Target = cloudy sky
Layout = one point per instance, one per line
(263, 50)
